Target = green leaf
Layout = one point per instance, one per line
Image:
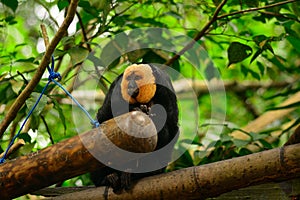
(252, 3)
(265, 144)
(17, 86)
(257, 53)
(244, 151)
(111, 53)
(40, 106)
(238, 52)
(185, 160)
(296, 7)
(254, 74)
(225, 137)
(296, 123)
(288, 27)
(153, 57)
(211, 71)
(244, 70)
(78, 54)
(149, 21)
(6, 92)
(287, 91)
(240, 143)
(292, 105)
(61, 4)
(263, 43)
(61, 114)
(217, 2)
(35, 122)
(27, 148)
(257, 136)
(200, 154)
(277, 61)
(261, 68)
(12, 4)
(26, 137)
(29, 60)
(295, 42)
(259, 38)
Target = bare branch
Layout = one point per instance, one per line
(45, 35)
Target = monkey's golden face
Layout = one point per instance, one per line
(138, 84)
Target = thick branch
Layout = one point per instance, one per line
(19, 102)
(209, 180)
(75, 156)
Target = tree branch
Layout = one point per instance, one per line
(19, 102)
(209, 180)
(255, 9)
(45, 35)
(85, 39)
(199, 34)
(14, 148)
(75, 156)
(280, 15)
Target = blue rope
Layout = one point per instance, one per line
(52, 76)
(93, 122)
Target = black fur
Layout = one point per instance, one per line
(164, 96)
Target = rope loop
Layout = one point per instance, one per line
(54, 75)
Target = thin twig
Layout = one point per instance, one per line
(45, 35)
(280, 15)
(14, 147)
(83, 32)
(48, 11)
(199, 34)
(48, 129)
(12, 130)
(20, 100)
(255, 9)
(23, 77)
(101, 29)
(229, 35)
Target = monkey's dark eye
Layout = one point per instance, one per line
(137, 78)
(133, 77)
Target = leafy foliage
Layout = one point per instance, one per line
(251, 41)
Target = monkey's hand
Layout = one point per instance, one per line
(143, 108)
